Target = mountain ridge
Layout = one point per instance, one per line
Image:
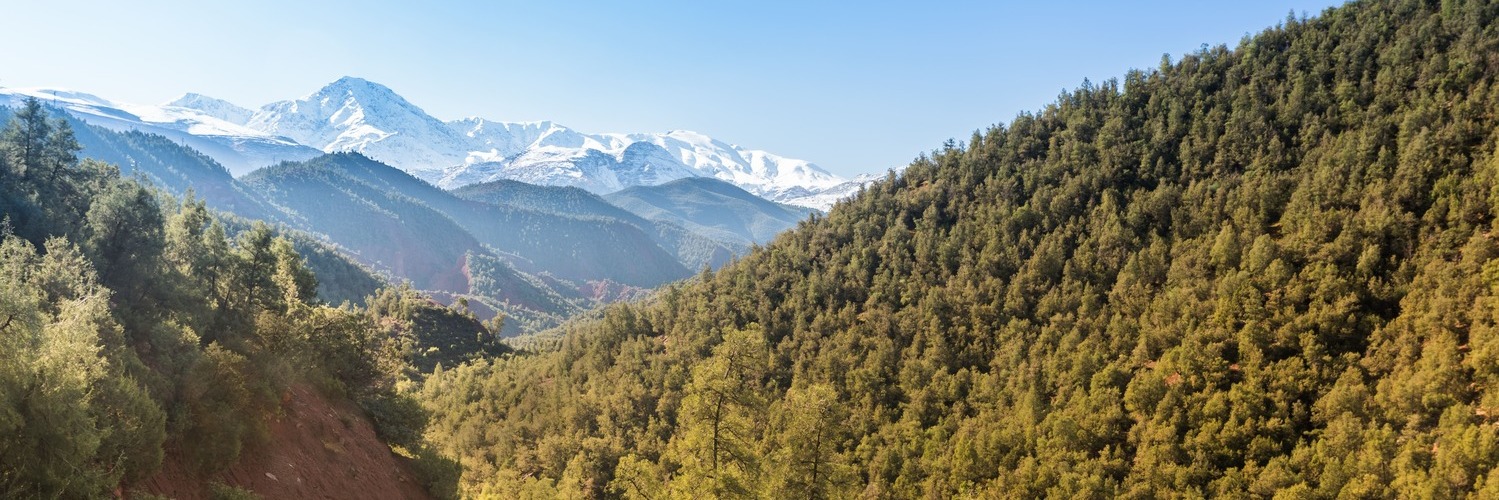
(236, 147)
(693, 249)
(713, 207)
(355, 114)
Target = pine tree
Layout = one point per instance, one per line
(722, 419)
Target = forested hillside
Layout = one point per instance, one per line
(137, 329)
(170, 166)
(1266, 270)
(183, 172)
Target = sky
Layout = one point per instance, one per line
(854, 87)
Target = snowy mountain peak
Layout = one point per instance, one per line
(354, 114)
(217, 108)
(361, 90)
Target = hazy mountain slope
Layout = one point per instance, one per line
(1261, 272)
(570, 247)
(396, 222)
(173, 167)
(382, 228)
(169, 165)
(693, 250)
(564, 200)
(711, 207)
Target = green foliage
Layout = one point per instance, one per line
(399, 419)
(99, 426)
(37, 158)
(531, 303)
(221, 491)
(723, 410)
(438, 335)
(439, 474)
(130, 320)
(1259, 272)
(806, 429)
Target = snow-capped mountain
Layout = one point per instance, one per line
(353, 114)
(756, 171)
(189, 121)
(823, 199)
(217, 108)
(598, 170)
(550, 154)
(500, 140)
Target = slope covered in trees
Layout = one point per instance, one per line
(1253, 272)
(180, 171)
(132, 323)
(168, 165)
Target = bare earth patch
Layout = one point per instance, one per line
(317, 449)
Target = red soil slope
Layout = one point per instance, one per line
(318, 449)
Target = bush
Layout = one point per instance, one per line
(221, 491)
(399, 419)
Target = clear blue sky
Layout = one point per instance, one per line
(853, 86)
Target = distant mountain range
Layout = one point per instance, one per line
(713, 208)
(353, 114)
(537, 254)
(692, 249)
(236, 147)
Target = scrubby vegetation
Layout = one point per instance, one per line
(131, 320)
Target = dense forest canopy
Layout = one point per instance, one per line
(1252, 272)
